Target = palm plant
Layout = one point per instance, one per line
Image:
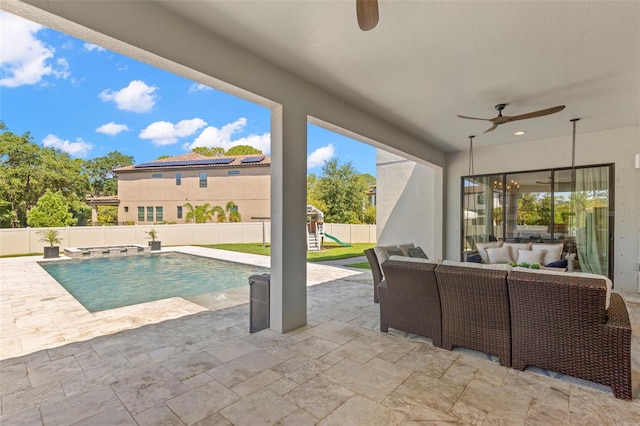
(50, 236)
(219, 212)
(199, 214)
(232, 212)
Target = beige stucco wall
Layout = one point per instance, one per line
(618, 146)
(250, 189)
(409, 207)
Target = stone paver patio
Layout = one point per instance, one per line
(177, 361)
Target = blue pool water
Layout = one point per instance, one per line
(113, 282)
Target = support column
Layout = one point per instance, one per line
(288, 218)
(94, 214)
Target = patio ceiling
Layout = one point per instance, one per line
(427, 61)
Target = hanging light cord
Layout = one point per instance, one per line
(572, 207)
(472, 175)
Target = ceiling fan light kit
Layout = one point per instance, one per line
(502, 119)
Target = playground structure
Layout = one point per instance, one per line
(315, 230)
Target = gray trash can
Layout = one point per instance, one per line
(259, 290)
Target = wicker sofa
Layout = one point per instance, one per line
(559, 322)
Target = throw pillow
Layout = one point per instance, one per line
(417, 252)
(395, 252)
(381, 253)
(482, 246)
(514, 249)
(405, 248)
(554, 251)
(499, 254)
(562, 263)
(530, 257)
(474, 259)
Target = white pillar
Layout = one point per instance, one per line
(288, 218)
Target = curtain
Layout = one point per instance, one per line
(592, 219)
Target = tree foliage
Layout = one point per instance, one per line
(103, 181)
(28, 170)
(341, 193)
(211, 152)
(52, 209)
(242, 150)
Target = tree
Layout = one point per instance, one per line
(52, 209)
(242, 150)
(210, 152)
(233, 215)
(199, 214)
(99, 169)
(107, 215)
(28, 170)
(343, 192)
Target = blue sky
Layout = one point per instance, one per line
(89, 101)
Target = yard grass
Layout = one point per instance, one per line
(360, 265)
(330, 251)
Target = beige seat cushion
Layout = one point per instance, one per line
(482, 246)
(415, 259)
(496, 266)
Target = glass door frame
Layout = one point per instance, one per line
(552, 171)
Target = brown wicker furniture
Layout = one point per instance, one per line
(410, 300)
(560, 323)
(375, 271)
(475, 310)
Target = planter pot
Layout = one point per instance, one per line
(51, 252)
(155, 245)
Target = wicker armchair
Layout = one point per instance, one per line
(560, 323)
(375, 271)
(409, 299)
(475, 310)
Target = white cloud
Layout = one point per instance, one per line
(198, 87)
(23, 58)
(136, 97)
(112, 128)
(319, 156)
(164, 133)
(223, 137)
(79, 148)
(91, 47)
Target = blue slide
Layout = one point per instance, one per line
(337, 240)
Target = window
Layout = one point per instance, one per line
(157, 175)
(179, 212)
(149, 214)
(178, 179)
(140, 214)
(159, 214)
(126, 209)
(539, 207)
(203, 180)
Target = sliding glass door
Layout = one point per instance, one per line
(539, 206)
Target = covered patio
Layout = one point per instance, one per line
(398, 87)
(178, 362)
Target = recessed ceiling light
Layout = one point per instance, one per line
(520, 133)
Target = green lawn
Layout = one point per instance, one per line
(360, 265)
(331, 251)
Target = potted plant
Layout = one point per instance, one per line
(153, 234)
(52, 237)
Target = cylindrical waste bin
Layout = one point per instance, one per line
(259, 290)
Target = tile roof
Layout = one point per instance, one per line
(191, 162)
(103, 199)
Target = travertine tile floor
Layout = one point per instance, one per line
(175, 362)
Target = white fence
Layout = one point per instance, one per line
(27, 240)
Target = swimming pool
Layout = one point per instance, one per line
(114, 282)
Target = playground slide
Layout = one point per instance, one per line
(337, 240)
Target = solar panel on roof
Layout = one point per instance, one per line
(202, 162)
(252, 159)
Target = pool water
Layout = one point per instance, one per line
(114, 282)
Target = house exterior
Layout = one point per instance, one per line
(157, 191)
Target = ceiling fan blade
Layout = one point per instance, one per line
(492, 128)
(475, 118)
(534, 114)
(367, 11)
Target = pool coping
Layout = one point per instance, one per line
(38, 313)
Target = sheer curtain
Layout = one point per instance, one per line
(592, 219)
